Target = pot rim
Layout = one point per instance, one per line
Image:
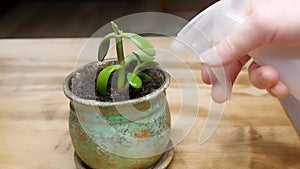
(73, 97)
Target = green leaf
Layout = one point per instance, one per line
(146, 58)
(148, 64)
(131, 58)
(103, 77)
(104, 46)
(141, 43)
(144, 75)
(115, 27)
(137, 57)
(134, 80)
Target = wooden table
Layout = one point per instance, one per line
(255, 131)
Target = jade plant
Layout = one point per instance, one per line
(140, 61)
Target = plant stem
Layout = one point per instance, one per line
(120, 52)
(120, 56)
(119, 43)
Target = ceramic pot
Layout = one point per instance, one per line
(130, 134)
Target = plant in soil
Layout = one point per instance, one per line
(131, 134)
(132, 76)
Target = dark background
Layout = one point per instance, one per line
(80, 18)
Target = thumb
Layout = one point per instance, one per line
(240, 42)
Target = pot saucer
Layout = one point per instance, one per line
(162, 163)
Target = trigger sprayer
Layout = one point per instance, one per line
(213, 24)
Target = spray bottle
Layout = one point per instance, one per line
(217, 21)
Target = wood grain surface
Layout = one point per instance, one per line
(254, 132)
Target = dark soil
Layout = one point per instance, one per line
(115, 94)
(84, 85)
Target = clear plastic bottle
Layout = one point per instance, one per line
(216, 22)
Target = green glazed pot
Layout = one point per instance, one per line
(129, 134)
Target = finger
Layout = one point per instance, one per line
(236, 66)
(278, 90)
(245, 38)
(266, 77)
(262, 77)
(233, 69)
(205, 74)
(217, 92)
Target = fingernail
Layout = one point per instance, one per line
(211, 58)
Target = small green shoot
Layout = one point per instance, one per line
(142, 61)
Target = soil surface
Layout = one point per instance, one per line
(83, 85)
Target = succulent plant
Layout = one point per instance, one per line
(125, 78)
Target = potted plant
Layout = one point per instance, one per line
(119, 115)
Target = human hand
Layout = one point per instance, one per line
(269, 22)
